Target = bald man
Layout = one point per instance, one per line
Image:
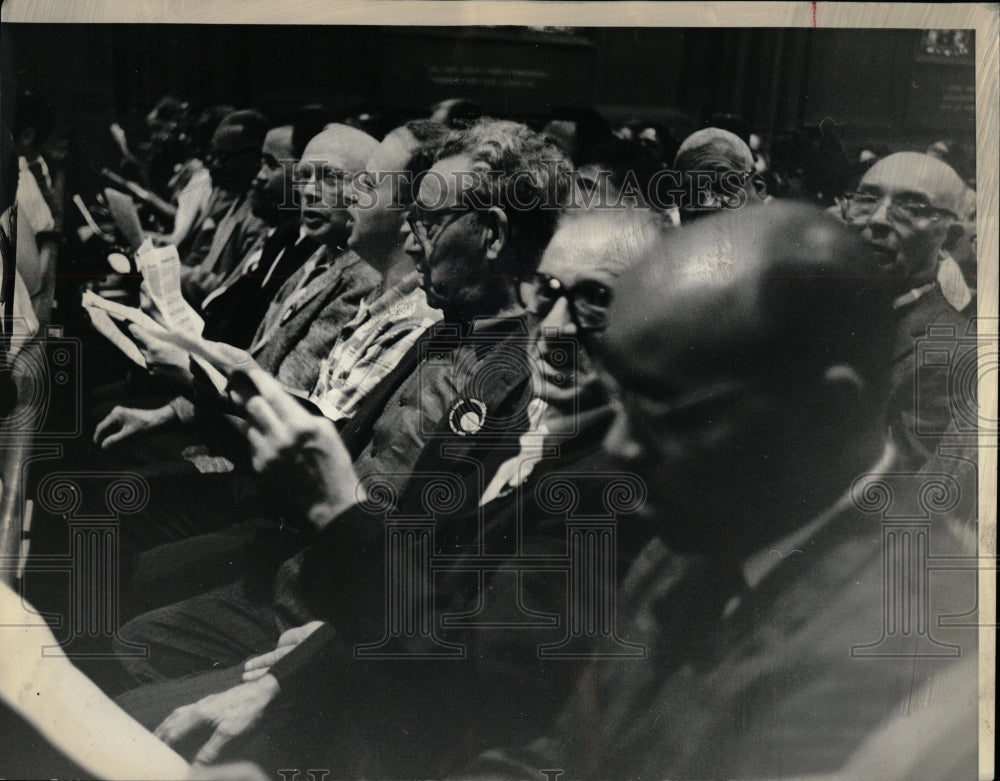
(308, 312)
(907, 209)
(717, 172)
(750, 357)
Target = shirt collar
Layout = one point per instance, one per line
(759, 565)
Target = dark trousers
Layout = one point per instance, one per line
(218, 629)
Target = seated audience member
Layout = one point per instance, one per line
(906, 209)
(569, 295)
(308, 312)
(192, 186)
(394, 315)
(586, 254)
(235, 309)
(230, 228)
(478, 223)
(752, 356)
(716, 170)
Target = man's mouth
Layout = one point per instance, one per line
(313, 217)
(885, 256)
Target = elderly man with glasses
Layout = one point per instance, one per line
(905, 210)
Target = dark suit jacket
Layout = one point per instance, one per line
(237, 234)
(293, 339)
(236, 310)
(933, 377)
(789, 683)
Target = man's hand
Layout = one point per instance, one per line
(258, 666)
(162, 358)
(124, 422)
(231, 713)
(301, 452)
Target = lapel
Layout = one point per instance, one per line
(281, 301)
(295, 318)
(915, 319)
(224, 233)
(240, 271)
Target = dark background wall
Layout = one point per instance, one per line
(874, 85)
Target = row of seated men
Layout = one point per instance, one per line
(504, 483)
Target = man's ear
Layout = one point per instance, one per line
(497, 232)
(955, 232)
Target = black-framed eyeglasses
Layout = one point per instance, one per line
(588, 300)
(427, 224)
(906, 210)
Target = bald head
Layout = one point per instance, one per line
(922, 173)
(907, 242)
(717, 171)
(328, 166)
(713, 149)
(340, 146)
(751, 351)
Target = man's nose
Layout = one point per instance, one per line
(410, 244)
(880, 217)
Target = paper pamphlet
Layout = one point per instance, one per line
(125, 216)
(161, 270)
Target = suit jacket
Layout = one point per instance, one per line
(786, 679)
(236, 308)
(238, 234)
(307, 314)
(933, 362)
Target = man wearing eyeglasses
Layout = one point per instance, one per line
(905, 209)
(716, 170)
(484, 213)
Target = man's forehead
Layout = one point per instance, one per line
(278, 142)
(440, 187)
(586, 248)
(917, 174)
